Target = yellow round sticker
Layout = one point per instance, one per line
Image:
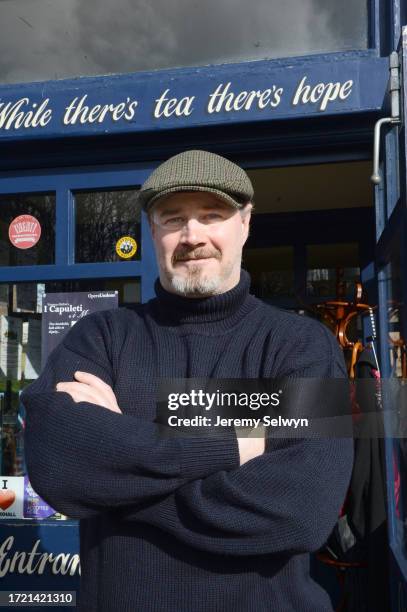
(126, 247)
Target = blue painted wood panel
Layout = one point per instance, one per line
(229, 94)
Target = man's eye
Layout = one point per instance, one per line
(172, 221)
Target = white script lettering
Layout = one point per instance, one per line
(24, 114)
(223, 99)
(77, 110)
(23, 562)
(324, 93)
(169, 106)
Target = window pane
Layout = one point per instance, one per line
(66, 38)
(108, 226)
(395, 401)
(396, 316)
(332, 269)
(20, 364)
(271, 270)
(27, 229)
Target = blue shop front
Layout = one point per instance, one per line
(320, 130)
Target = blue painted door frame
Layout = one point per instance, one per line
(391, 236)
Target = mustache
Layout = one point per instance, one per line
(183, 254)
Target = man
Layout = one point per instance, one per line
(199, 523)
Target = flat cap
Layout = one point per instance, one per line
(198, 171)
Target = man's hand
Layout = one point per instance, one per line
(249, 448)
(90, 388)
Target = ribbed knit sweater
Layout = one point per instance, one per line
(175, 524)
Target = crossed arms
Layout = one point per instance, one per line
(217, 494)
(89, 388)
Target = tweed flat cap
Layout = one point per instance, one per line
(198, 171)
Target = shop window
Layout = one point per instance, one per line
(27, 229)
(122, 36)
(107, 226)
(271, 270)
(332, 269)
(20, 361)
(395, 398)
(396, 340)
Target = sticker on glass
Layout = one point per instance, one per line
(24, 231)
(34, 506)
(11, 497)
(126, 247)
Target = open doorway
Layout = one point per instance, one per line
(312, 250)
(312, 226)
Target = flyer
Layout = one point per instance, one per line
(60, 312)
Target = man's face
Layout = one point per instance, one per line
(198, 240)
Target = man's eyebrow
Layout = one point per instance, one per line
(216, 205)
(168, 211)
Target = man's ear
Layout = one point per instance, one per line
(151, 224)
(246, 213)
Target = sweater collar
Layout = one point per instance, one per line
(177, 309)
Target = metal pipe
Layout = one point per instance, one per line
(376, 177)
(394, 91)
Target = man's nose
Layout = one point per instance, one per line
(193, 232)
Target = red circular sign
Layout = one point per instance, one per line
(24, 231)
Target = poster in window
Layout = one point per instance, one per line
(60, 312)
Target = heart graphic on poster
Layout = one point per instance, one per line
(6, 499)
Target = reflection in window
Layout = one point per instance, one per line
(98, 37)
(108, 226)
(29, 241)
(271, 270)
(395, 307)
(332, 269)
(20, 364)
(395, 400)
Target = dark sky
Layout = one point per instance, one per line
(48, 39)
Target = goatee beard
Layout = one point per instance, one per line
(195, 284)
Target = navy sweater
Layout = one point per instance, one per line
(174, 524)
